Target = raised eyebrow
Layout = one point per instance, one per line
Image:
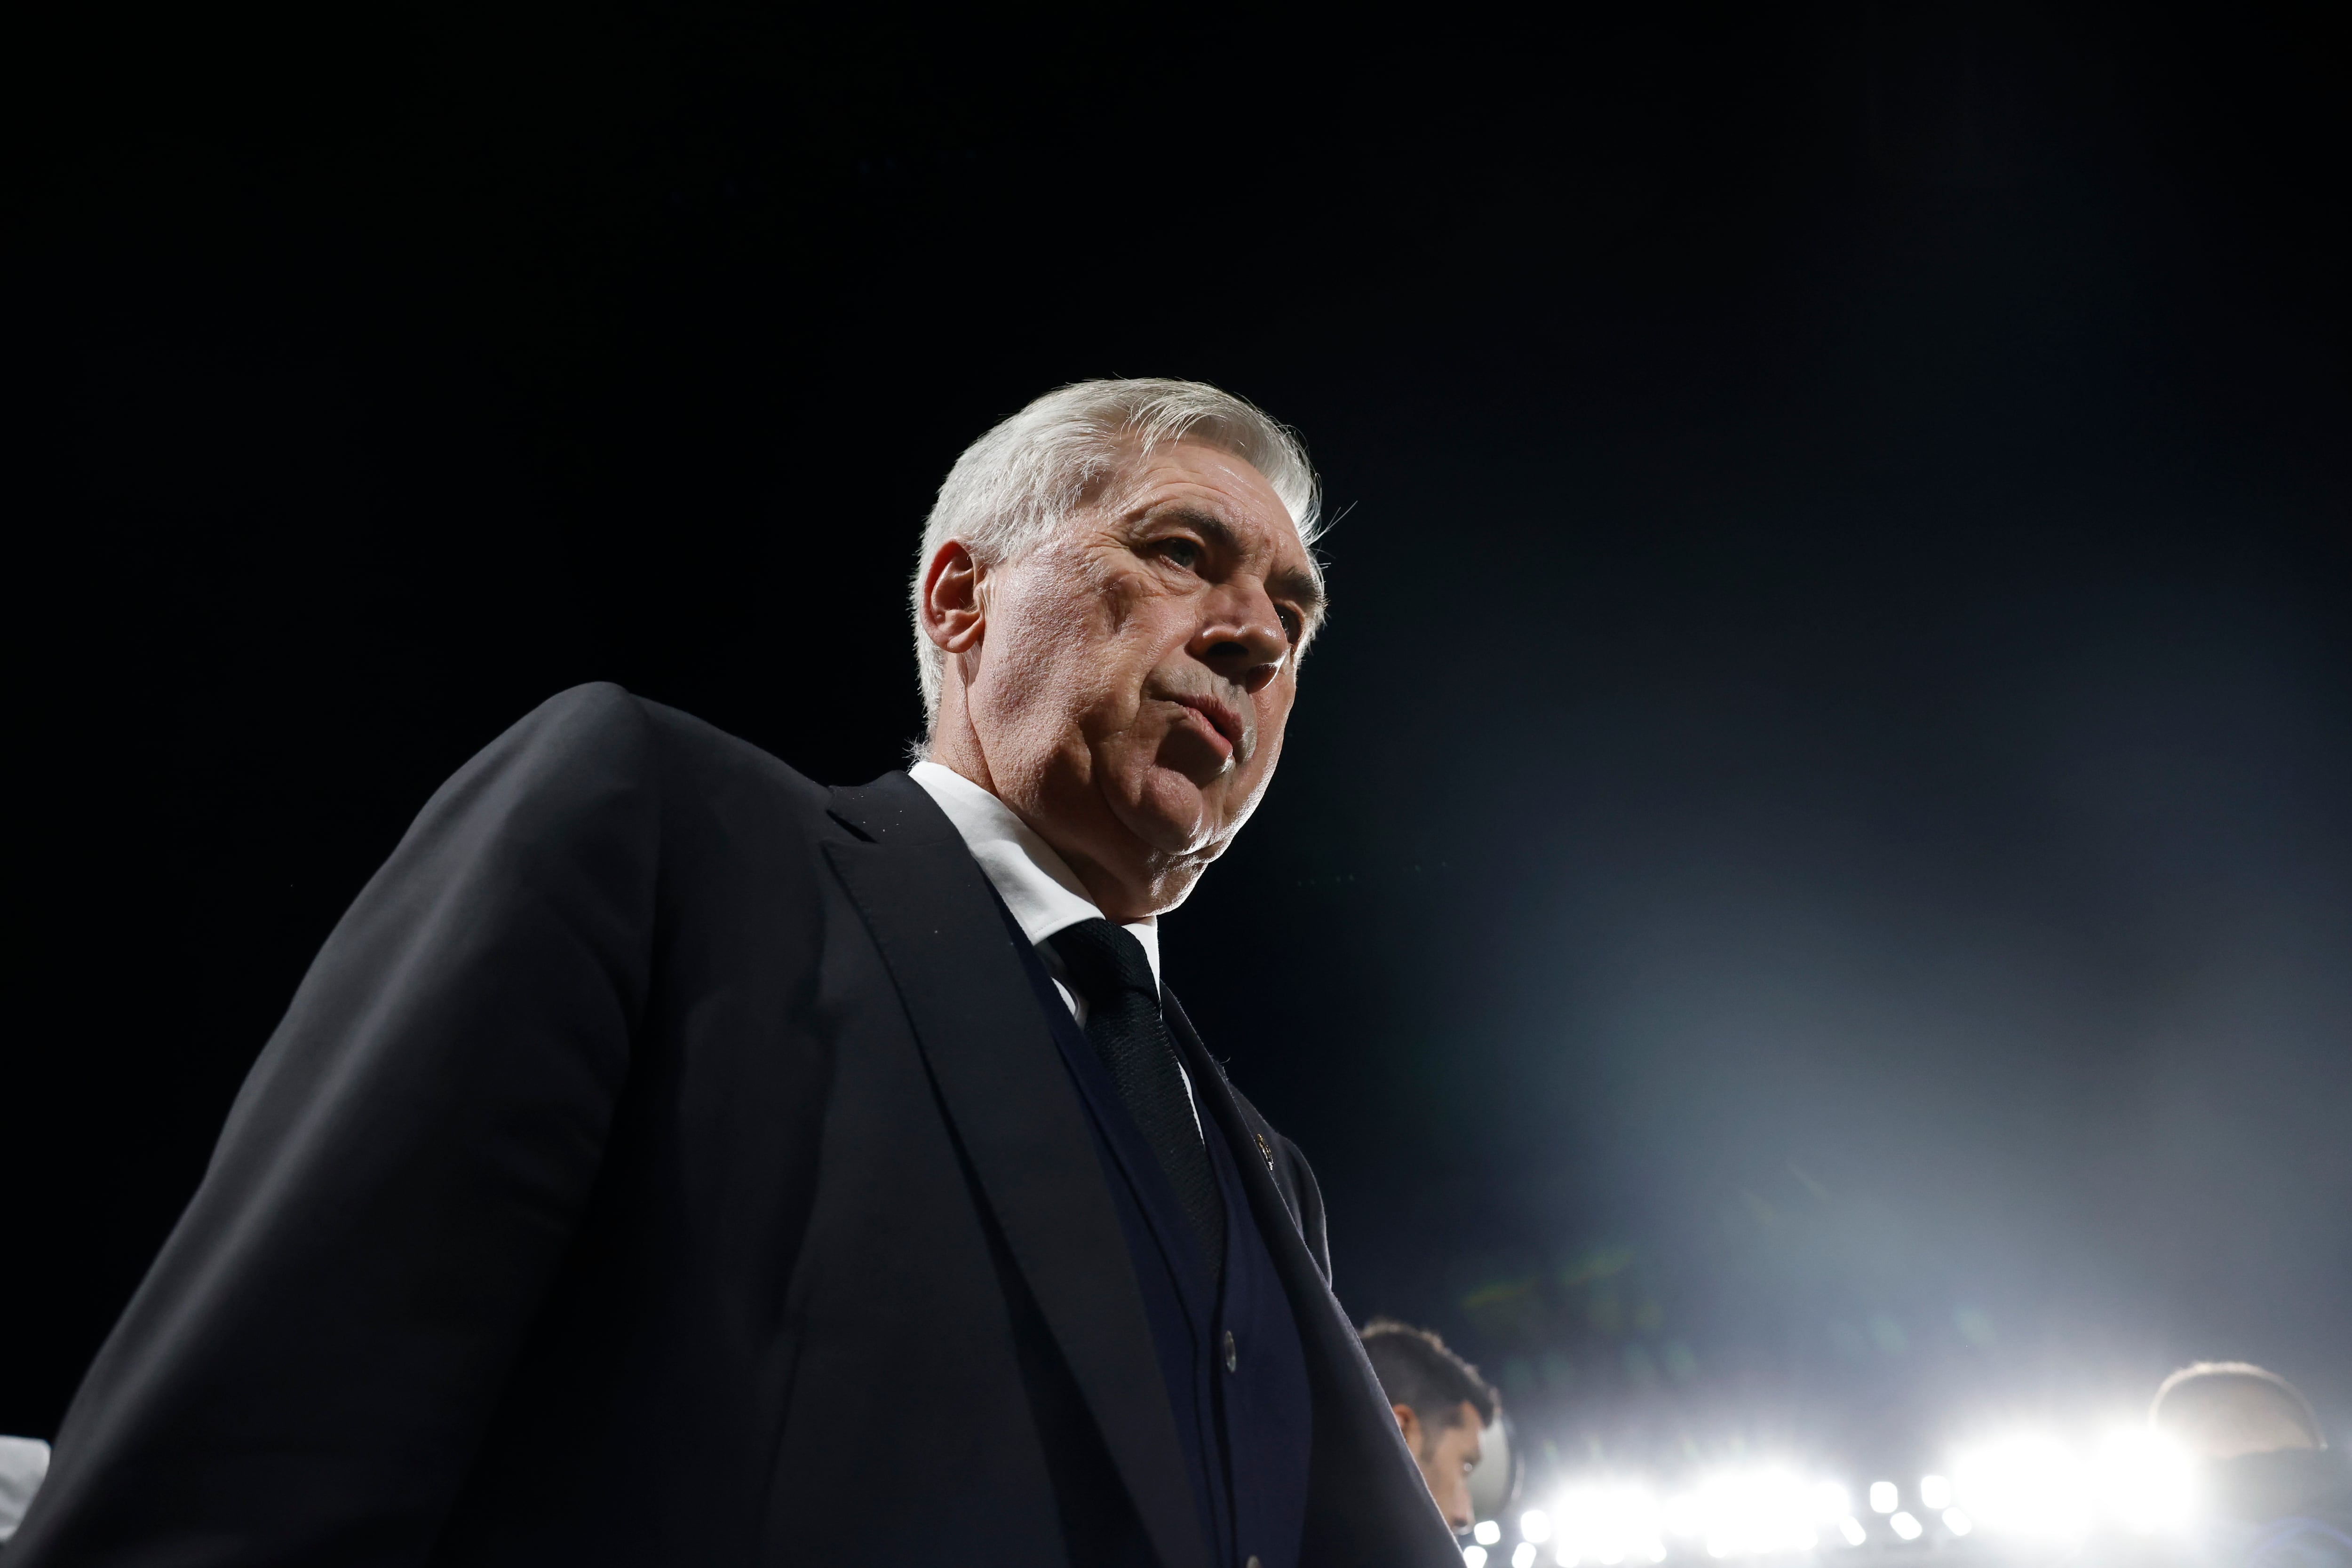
(1303, 587)
(1288, 582)
(1218, 531)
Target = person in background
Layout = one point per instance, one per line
(2271, 1493)
(1442, 1406)
(23, 1462)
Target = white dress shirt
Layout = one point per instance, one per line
(1036, 885)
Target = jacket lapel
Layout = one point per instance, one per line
(1366, 1501)
(1003, 1083)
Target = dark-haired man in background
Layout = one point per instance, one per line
(2270, 1492)
(1442, 1406)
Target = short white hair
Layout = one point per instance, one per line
(1022, 480)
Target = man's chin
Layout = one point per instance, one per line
(1170, 812)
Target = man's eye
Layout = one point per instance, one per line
(1183, 553)
(1291, 623)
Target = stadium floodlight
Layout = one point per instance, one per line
(1907, 1527)
(1958, 1522)
(1755, 1513)
(2027, 1484)
(1850, 1528)
(2144, 1480)
(1474, 1556)
(1607, 1524)
(1523, 1555)
(1884, 1497)
(1486, 1533)
(1535, 1525)
(1935, 1492)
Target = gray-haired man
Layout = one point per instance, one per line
(671, 1160)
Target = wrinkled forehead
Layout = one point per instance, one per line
(1213, 486)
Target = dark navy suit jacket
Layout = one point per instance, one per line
(667, 1160)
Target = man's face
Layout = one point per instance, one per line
(1125, 685)
(1446, 1456)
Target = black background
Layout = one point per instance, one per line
(1808, 901)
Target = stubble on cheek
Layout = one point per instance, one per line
(1054, 676)
(1126, 730)
(1094, 634)
(1241, 789)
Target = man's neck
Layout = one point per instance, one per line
(956, 748)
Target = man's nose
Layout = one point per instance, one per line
(1241, 636)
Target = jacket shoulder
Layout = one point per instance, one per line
(717, 757)
(596, 722)
(601, 722)
(597, 759)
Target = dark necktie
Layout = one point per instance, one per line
(1106, 965)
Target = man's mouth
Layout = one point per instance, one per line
(1224, 725)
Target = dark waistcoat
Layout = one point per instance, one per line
(1235, 1373)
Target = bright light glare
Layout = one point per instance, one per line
(1882, 1497)
(2026, 1486)
(1850, 1528)
(1907, 1527)
(1523, 1555)
(1958, 1522)
(1536, 1524)
(1474, 1557)
(1487, 1532)
(1935, 1492)
(1608, 1525)
(1755, 1513)
(2142, 1480)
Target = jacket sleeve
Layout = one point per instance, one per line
(1307, 1197)
(1293, 1176)
(307, 1370)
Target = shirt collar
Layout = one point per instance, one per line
(1036, 885)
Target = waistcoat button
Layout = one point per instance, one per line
(1233, 1362)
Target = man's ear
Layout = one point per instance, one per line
(1409, 1424)
(954, 609)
